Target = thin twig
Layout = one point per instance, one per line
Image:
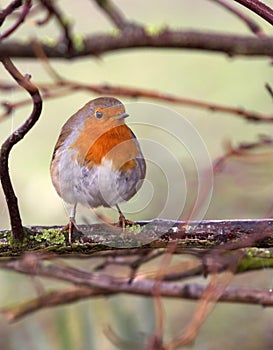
(9, 10)
(15, 137)
(269, 89)
(45, 20)
(63, 23)
(25, 10)
(50, 299)
(119, 342)
(138, 286)
(141, 260)
(252, 25)
(113, 12)
(211, 294)
(258, 7)
(243, 150)
(65, 87)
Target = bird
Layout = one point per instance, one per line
(97, 160)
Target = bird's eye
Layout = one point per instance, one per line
(99, 114)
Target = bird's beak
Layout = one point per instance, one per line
(122, 116)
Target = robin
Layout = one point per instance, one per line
(97, 160)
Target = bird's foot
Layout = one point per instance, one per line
(123, 222)
(70, 227)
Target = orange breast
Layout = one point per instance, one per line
(116, 145)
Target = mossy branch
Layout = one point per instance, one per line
(221, 235)
(214, 247)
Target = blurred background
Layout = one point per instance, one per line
(244, 188)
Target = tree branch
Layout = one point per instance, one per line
(15, 137)
(191, 238)
(232, 45)
(155, 234)
(189, 291)
(90, 284)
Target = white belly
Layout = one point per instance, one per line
(100, 185)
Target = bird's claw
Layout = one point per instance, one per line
(123, 222)
(70, 227)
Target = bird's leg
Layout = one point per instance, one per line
(71, 224)
(122, 220)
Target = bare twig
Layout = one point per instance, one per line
(156, 340)
(261, 9)
(15, 137)
(189, 291)
(232, 45)
(252, 25)
(211, 294)
(243, 150)
(51, 299)
(64, 24)
(25, 10)
(45, 20)
(115, 15)
(63, 87)
(269, 89)
(145, 257)
(119, 342)
(102, 284)
(9, 9)
(126, 91)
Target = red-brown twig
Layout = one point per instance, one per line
(50, 299)
(9, 9)
(269, 89)
(252, 25)
(25, 10)
(15, 137)
(242, 150)
(90, 284)
(211, 294)
(45, 20)
(113, 12)
(119, 342)
(261, 9)
(65, 87)
(54, 11)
